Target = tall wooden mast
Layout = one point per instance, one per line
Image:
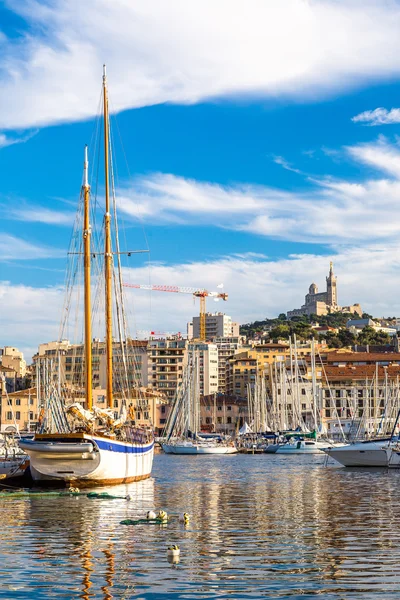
(107, 250)
(86, 269)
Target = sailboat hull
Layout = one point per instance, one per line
(108, 462)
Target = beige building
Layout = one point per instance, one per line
(246, 364)
(217, 325)
(14, 359)
(19, 411)
(222, 414)
(323, 303)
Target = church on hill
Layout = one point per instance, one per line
(323, 303)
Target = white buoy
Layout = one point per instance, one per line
(151, 515)
(173, 551)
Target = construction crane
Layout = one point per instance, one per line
(196, 292)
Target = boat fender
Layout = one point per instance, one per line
(151, 514)
(73, 490)
(162, 515)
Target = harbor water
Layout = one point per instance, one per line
(260, 527)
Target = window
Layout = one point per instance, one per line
(304, 407)
(17, 415)
(145, 415)
(115, 403)
(219, 419)
(9, 415)
(31, 401)
(18, 402)
(303, 391)
(31, 416)
(219, 407)
(229, 420)
(163, 410)
(229, 408)
(208, 420)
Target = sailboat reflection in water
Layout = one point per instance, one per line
(93, 445)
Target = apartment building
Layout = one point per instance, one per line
(19, 411)
(218, 325)
(67, 361)
(207, 356)
(14, 359)
(242, 368)
(166, 361)
(222, 414)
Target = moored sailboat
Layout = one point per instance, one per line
(183, 435)
(90, 446)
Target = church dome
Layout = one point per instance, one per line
(313, 289)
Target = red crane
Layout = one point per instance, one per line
(196, 292)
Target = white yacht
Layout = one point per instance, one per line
(302, 446)
(374, 453)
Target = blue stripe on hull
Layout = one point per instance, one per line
(121, 447)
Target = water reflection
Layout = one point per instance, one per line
(260, 526)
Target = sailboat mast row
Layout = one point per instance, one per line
(107, 250)
(86, 269)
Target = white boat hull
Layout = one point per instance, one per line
(363, 454)
(189, 448)
(109, 461)
(302, 448)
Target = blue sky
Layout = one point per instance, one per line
(245, 158)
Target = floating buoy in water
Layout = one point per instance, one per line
(73, 490)
(129, 497)
(184, 518)
(173, 551)
(162, 515)
(151, 515)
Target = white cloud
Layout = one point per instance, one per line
(257, 288)
(29, 316)
(13, 248)
(6, 140)
(330, 211)
(185, 52)
(379, 116)
(279, 160)
(39, 214)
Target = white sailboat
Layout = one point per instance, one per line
(183, 434)
(89, 446)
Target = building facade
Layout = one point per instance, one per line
(207, 356)
(218, 325)
(167, 359)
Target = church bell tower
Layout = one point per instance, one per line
(331, 291)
